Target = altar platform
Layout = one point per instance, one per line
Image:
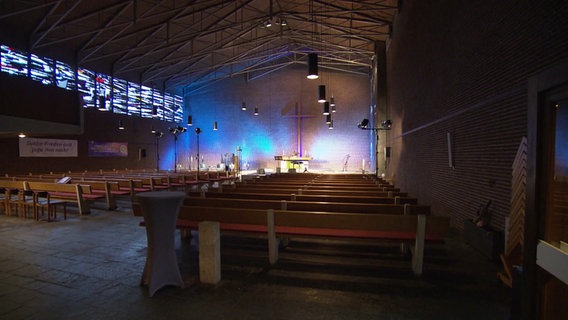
(292, 163)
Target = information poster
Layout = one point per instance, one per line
(108, 149)
(33, 147)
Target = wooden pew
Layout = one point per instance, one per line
(352, 187)
(80, 194)
(296, 197)
(110, 189)
(129, 185)
(370, 208)
(308, 191)
(408, 228)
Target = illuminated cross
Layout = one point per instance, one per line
(299, 116)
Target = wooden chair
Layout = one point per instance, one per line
(43, 201)
(12, 198)
(26, 203)
(3, 200)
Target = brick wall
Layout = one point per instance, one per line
(462, 68)
(275, 130)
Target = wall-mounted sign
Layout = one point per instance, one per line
(108, 149)
(32, 147)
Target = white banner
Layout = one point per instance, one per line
(31, 147)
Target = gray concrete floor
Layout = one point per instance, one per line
(89, 267)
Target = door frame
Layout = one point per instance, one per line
(540, 87)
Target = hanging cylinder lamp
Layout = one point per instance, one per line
(321, 93)
(328, 118)
(215, 128)
(244, 106)
(331, 125)
(189, 121)
(326, 108)
(312, 66)
(256, 111)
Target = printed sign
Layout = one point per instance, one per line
(32, 147)
(108, 149)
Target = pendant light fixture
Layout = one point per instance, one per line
(189, 121)
(244, 106)
(312, 66)
(328, 118)
(120, 125)
(256, 111)
(215, 128)
(326, 108)
(321, 93)
(102, 104)
(331, 125)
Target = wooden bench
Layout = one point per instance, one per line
(350, 187)
(308, 191)
(78, 193)
(370, 208)
(110, 189)
(296, 197)
(272, 223)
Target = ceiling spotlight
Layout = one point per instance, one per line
(158, 134)
(363, 124)
(386, 124)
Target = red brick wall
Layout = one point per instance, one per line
(461, 67)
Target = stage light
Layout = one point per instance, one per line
(363, 124)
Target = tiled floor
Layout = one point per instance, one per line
(89, 267)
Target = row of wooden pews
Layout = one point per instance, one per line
(280, 206)
(84, 188)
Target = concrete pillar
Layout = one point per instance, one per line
(209, 252)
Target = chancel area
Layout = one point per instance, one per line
(258, 159)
